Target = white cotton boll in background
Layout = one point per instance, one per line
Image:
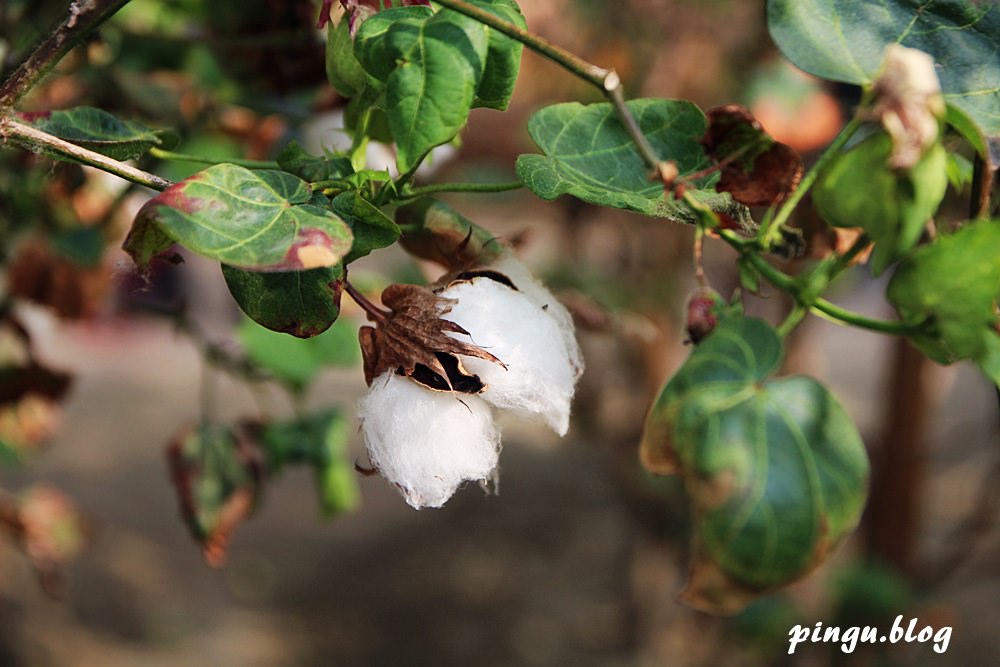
(537, 293)
(539, 377)
(427, 443)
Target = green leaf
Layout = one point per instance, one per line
(959, 121)
(860, 189)
(845, 41)
(775, 469)
(297, 361)
(372, 229)
(431, 67)
(954, 285)
(301, 303)
(312, 168)
(342, 67)
(589, 155)
(503, 60)
(371, 43)
(101, 132)
(319, 440)
(258, 220)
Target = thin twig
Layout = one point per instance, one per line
(185, 157)
(463, 187)
(605, 80)
(32, 139)
(84, 16)
(770, 232)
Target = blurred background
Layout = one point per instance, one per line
(578, 559)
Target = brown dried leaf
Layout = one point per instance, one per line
(412, 340)
(756, 169)
(50, 529)
(218, 475)
(38, 274)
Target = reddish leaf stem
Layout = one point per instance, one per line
(375, 314)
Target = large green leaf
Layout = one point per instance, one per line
(101, 132)
(953, 285)
(319, 440)
(342, 67)
(371, 228)
(503, 61)
(301, 303)
(589, 155)
(775, 469)
(431, 67)
(297, 361)
(259, 220)
(845, 40)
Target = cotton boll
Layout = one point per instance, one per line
(538, 378)
(537, 293)
(425, 442)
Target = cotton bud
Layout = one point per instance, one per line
(427, 443)
(540, 366)
(909, 103)
(441, 355)
(703, 313)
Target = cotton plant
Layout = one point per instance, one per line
(444, 357)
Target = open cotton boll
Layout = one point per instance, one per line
(538, 378)
(539, 294)
(427, 443)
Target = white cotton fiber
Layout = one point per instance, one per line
(427, 443)
(539, 377)
(538, 294)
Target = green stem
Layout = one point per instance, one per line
(35, 140)
(589, 72)
(463, 187)
(384, 195)
(819, 306)
(184, 157)
(605, 80)
(835, 313)
(792, 320)
(84, 16)
(770, 232)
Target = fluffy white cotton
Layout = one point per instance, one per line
(538, 294)
(427, 443)
(539, 378)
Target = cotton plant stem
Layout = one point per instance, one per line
(605, 80)
(817, 306)
(32, 139)
(185, 157)
(84, 16)
(770, 232)
(463, 187)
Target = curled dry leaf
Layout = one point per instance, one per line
(29, 392)
(755, 169)
(218, 476)
(412, 340)
(437, 233)
(49, 528)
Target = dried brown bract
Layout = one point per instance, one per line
(412, 339)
